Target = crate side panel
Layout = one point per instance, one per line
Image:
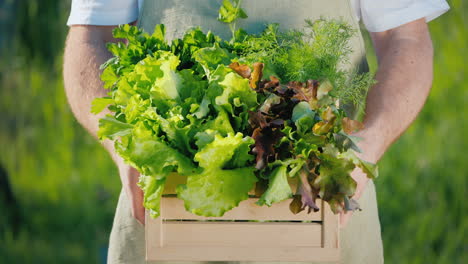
(174, 179)
(153, 235)
(331, 227)
(247, 210)
(265, 254)
(242, 234)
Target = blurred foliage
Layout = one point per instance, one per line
(60, 175)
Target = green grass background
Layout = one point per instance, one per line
(66, 185)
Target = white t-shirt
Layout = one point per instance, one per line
(377, 15)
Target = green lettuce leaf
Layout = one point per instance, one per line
(303, 117)
(219, 152)
(344, 141)
(152, 188)
(150, 155)
(370, 169)
(210, 58)
(110, 127)
(236, 93)
(205, 137)
(166, 86)
(278, 187)
(221, 124)
(109, 77)
(216, 190)
(125, 90)
(192, 86)
(241, 156)
(178, 129)
(334, 180)
(229, 12)
(202, 109)
(136, 106)
(99, 104)
(159, 32)
(218, 126)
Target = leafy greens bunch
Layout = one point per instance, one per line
(199, 106)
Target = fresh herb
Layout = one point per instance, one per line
(230, 12)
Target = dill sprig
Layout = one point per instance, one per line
(319, 51)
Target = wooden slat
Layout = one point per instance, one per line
(174, 179)
(168, 240)
(247, 210)
(296, 254)
(238, 234)
(153, 227)
(331, 228)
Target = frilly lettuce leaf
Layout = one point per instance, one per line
(150, 155)
(204, 138)
(303, 117)
(219, 152)
(167, 86)
(153, 188)
(229, 12)
(370, 169)
(192, 87)
(110, 127)
(236, 93)
(136, 106)
(216, 190)
(218, 126)
(153, 77)
(99, 104)
(278, 187)
(124, 92)
(221, 124)
(334, 180)
(109, 77)
(209, 58)
(178, 129)
(167, 81)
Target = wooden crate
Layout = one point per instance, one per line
(279, 235)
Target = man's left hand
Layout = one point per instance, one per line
(361, 179)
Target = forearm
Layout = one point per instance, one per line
(85, 51)
(404, 79)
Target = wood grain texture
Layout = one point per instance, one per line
(331, 228)
(296, 254)
(174, 179)
(247, 210)
(178, 235)
(241, 234)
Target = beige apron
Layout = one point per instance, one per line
(360, 240)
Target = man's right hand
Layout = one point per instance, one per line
(129, 178)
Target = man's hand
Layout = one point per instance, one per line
(361, 179)
(133, 192)
(404, 79)
(85, 51)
